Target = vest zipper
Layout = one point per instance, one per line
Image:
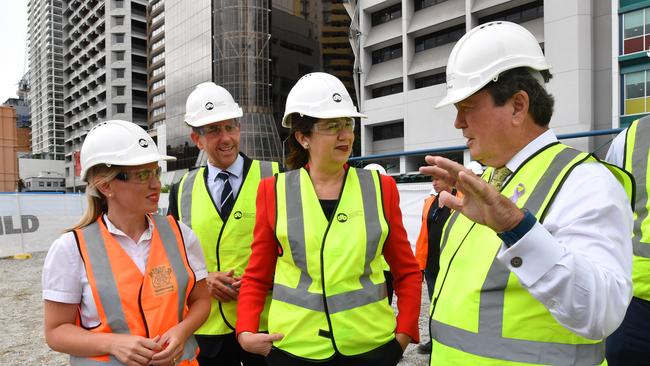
(144, 318)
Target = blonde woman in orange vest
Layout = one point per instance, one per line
(124, 287)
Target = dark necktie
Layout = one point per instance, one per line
(227, 199)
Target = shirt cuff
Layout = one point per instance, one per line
(62, 297)
(532, 256)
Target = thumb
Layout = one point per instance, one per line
(274, 337)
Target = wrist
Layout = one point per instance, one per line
(519, 229)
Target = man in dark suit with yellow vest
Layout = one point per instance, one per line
(535, 262)
(630, 344)
(218, 202)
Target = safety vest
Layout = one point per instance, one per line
(637, 151)
(130, 302)
(226, 245)
(329, 292)
(480, 314)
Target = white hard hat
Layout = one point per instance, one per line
(118, 142)
(377, 167)
(210, 103)
(485, 52)
(319, 95)
(475, 167)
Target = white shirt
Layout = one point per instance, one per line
(215, 184)
(578, 263)
(64, 275)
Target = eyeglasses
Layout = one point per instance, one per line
(334, 126)
(215, 130)
(140, 176)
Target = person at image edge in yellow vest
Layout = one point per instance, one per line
(535, 262)
(320, 233)
(218, 202)
(630, 343)
(124, 286)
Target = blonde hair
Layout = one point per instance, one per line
(97, 204)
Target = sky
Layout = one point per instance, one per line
(13, 36)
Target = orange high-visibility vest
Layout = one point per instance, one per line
(422, 243)
(129, 302)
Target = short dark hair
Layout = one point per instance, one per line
(519, 79)
(298, 156)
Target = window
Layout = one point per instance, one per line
(387, 14)
(119, 20)
(158, 98)
(636, 31)
(159, 70)
(421, 4)
(387, 90)
(157, 18)
(430, 80)
(519, 14)
(119, 3)
(49, 184)
(119, 55)
(440, 38)
(41, 184)
(119, 108)
(387, 53)
(390, 131)
(158, 84)
(118, 38)
(637, 96)
(158, 43)
(157, 31)
(158, 57)
(158, 111)
(118, 73)
(119, 90)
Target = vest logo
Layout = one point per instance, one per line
(161, 280)
(209, 106)
(237, 215)
(337, 97)
(143, 143)
(341, 217)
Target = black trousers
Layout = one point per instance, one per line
(629, 345)
(387, 355)
(224, 350)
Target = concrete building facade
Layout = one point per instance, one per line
(105, 75)
(402, 49)
(156, 64)
(45, 59)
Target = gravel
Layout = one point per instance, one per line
(21, 318)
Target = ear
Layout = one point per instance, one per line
(197, 140)
(520, 104)
(106, 189)
(301, 138)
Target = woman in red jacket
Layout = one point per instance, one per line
(321, 231)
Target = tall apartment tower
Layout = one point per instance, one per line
(402, 48)
(45, 49)
(156, 103)
(105, 75)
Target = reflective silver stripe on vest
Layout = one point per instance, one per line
(450, 223)
(266, 169)
(107, 288)
(489, 341)
(186, 196)
(639, 169)
(300, 296)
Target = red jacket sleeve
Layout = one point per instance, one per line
(403, 266)
(258, 277)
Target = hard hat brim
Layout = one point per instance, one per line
(137, 161)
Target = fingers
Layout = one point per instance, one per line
(223, 286)
(274, 337)
(451, 201)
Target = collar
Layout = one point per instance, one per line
(548, 137)
(236, 169)
(146, 235)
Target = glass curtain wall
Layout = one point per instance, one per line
(241, 64)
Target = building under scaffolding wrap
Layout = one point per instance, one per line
(241, 64)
